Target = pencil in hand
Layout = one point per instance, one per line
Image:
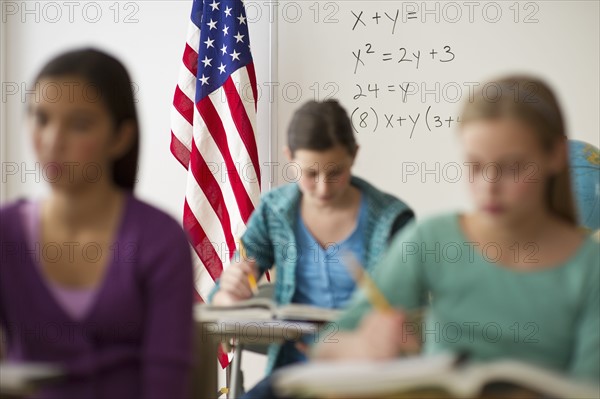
(364, 281)
(374, 295)
(251, 278)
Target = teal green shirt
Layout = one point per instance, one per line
(549, 316)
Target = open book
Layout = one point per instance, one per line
(266, 308)
(20, 379)
(439, 373)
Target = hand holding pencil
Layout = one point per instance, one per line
(251, 277)
(238, 281)
(364, 281)
(382, 334)
(387, 331)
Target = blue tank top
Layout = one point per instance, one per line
(322, 279)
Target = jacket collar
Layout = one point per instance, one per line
(285, 200)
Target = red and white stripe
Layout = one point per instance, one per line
(215, 141)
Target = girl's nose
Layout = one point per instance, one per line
(493, 186)
(323, 186)
(53, 140)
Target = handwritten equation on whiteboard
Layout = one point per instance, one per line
(449, 12)
(366, 115)
(401, 55)
(366, 119)
(392, 50)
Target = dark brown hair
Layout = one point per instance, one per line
(321, 126)
(113, 85)
(531, 101)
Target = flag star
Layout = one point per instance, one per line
(209, 43)
(221, 68)
(212, 24)
(228, 11)
(204, 79)
(226, 30)
(224, 49)
(214, 5)
(239, 37)
(235, 55)
(206, 61)
(242, 19)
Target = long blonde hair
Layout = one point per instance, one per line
(533, 102)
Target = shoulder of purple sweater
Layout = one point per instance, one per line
(150, 216)
(10, 218)
(10, 207)
(155, 229)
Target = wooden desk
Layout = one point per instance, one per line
(211, 332)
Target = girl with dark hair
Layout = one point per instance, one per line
(87, 283)
(303, 228)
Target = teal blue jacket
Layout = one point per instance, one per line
(270, 238)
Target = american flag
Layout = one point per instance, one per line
(213, 127)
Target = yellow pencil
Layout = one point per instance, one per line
(363, 280)
(251, 278)
(374, 295)
(378, 300)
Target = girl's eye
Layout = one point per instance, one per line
(81, 125)
(40, 118)
(523, 165)
(311, 173)
(515, 167)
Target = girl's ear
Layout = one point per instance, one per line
(288, 153)
(123, 139)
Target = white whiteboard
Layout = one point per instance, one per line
(317, 56)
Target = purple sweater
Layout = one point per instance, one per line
(135, 341)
